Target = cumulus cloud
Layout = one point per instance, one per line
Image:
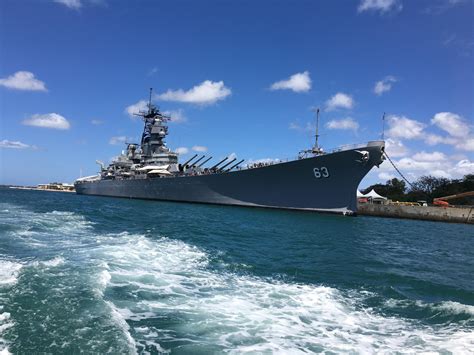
(381, 6)
(206, 93)
(459, 131)
(434, 156)
(97, 122)
(23, 80)
(15, 145)
(467, 144)
(136, 108)
(463, 167)
(451, 123)
(199, 148)
(48, 120)
(384, 85)
(345, 123)
(434, 163)
(176, 116)
(181, 150)
(395, 148)
(72, 4)
(117, 140)
(340, 100)
(404, 127)
(299, 82)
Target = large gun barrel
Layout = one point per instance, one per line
(197, 161)
(228, 163)
(233, 166)
(219, 163)
(195, 155)
(205, 161)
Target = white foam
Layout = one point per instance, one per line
(251, 314)
(5, 323)
(456, 308)
(57, 261)
(9, 271)
(238, 313)
(123, 325)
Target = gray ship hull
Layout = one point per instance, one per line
(326, 183)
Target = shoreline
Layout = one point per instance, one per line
(38, 189)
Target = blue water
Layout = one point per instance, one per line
(96, 275)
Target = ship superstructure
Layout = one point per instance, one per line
(315, 180)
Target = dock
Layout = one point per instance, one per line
(429, 213)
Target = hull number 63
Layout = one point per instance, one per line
(321, 172)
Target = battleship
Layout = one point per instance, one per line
(313, 181)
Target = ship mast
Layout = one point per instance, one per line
(149, 101)
(316, 148)
(316, 143)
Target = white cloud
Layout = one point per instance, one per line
(72, 4)
(23, 80)
(97, 122)
(136, 108)
(177, 116)
(340, 100)
(379, 5)
(206, 93)
(48, 120)
(395, 148)
(299, 82)
(433, 139)
(117, 140)
(15, 145)
(434, 163)
(464, 167)
(434, 156)
(199, 148)
(466, 144)
(345, 123)
(308, 127)
(181, 150)
(384, 85)
(386, 176)
(404, 127)
(451, 123)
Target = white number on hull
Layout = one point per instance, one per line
(321, 172)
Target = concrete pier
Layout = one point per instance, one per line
(442, 214)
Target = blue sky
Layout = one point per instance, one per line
(238, 77)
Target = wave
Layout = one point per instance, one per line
(163, 293)
(241, 313)
(9, 271)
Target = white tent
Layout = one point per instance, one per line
(375, 196)
(360, 194)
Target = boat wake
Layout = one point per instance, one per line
(162, 294)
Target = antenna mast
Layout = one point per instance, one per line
(149, 101)
(316, 143)
(383, 126)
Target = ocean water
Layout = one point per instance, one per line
(104, 275)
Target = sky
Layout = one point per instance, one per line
(237, 77)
